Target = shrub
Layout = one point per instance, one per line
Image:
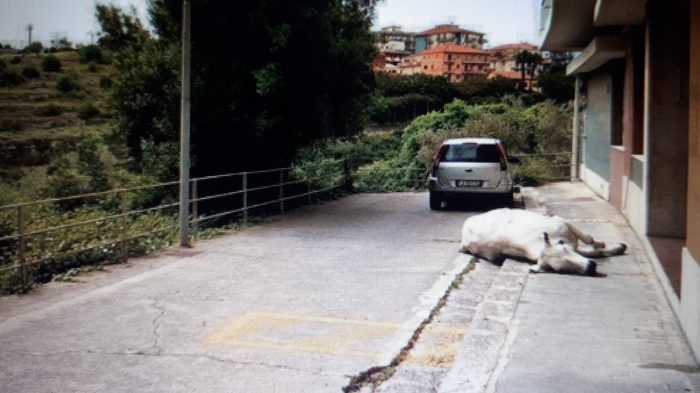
(92, 54)
(34, 47)
(10, 78)
(30, 72)
(51, 110)
(389, 176)
(11, 124)
(3, 65)
(51, 63)
(88, 111)
(106, 82)
(68, 83)
(16, 60)
(93, 67)
(332, 162)
(160, 160)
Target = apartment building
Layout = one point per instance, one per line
(448, 34)
(639, 142)
(454, 61)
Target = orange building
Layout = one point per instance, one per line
(503, 59)
(454, 61)
(503, 62)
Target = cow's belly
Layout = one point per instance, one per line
(515, 233)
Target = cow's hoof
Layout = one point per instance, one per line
(591, 268)
(623, 248)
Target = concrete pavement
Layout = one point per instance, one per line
(298, 304)
(608, 334)
(523, 332)
(368, 289)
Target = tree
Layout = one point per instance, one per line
(527, 63)
(554, 82)
(35, 47)
(120, 29)
(267, 77)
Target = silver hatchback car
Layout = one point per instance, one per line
(471, 166)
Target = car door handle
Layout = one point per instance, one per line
(468, 170)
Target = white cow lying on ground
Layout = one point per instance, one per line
(548, 240)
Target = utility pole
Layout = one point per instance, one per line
(185, 128)
(29, 31)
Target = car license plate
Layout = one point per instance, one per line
(468, 183)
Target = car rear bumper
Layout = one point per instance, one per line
(505, 186)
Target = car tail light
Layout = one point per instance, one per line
(439, 156)
(502, 157)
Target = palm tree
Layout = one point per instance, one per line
(527, 63)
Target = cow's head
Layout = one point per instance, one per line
(562, 258)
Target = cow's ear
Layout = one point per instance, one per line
(546, 240)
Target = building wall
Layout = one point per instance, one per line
(421, 43)
(693, 230)
(690, 285)
(667, 125)
(597, 125)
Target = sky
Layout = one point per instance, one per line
(72, 18)
(503, 21)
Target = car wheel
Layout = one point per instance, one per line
(508, 199)
(435, 201)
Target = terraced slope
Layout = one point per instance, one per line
(37, 118)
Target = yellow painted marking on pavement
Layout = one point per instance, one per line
(441, 347)
(334, 336)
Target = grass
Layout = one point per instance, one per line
(36, 110)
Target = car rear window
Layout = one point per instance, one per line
(472, 152)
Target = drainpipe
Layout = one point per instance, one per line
(575, 137)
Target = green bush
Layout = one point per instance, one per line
(93, 54)
(34, 47)
(51, 63)
(16, 60)
(106, 82)
(88, 111)
(541, 131)
(11, 124)
(68, 83)
(389, 176)
(538, 132)
(51, 110)
(3, 65)
(10, 78)
(93, 68)
(30, 72)
(331, 162)
(161, 160)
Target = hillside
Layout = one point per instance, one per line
(49, 112)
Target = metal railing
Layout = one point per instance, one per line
(133, 221)
(103, 224)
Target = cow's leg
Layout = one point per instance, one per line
(584, 237)
(615, 249)
(540, 267)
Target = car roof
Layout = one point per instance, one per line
(481, 141)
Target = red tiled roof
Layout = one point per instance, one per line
(522, 45)
(454, 48)
(447, 29)
(509, 75)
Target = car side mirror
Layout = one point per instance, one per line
(513, 160)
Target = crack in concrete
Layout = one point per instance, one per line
(156, 325)
(376, 375)
(184, 355)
